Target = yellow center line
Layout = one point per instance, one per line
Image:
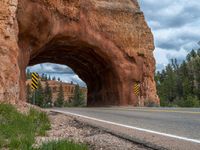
(154, 110)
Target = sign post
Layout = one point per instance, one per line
(34, 84)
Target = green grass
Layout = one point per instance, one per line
(18, 131)
(62, 145)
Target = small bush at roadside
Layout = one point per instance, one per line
(18, 131)
(149, 103)
(190, 101)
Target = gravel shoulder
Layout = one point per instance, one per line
(68, 127)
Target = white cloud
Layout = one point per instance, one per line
(65, 73)
(163, 56)
(175, 25)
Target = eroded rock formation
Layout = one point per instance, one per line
(106, 42)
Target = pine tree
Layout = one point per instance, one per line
(28, 74)
(196, 67)
(47, 95)
(43, 77)
(54, 78)
(28, 93)
(193, 54)
(198, 52)
(60, 97)
(39, 95)
(78, 99)
(49, 78)
(179, 85)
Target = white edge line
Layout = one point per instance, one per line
(131, 127)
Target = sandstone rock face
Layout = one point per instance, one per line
(9, 69)
(106, 42)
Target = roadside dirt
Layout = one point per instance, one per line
(67, 127)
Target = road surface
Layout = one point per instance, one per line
(176, 123)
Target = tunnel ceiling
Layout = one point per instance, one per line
(88, 62)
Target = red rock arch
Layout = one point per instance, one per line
(108, 44)
(92, 64)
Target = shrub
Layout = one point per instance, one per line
(149, 103)
(17, 131)
(191, 101)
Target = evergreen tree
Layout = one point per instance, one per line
(198, 52)
(60, 97)
(28, 93)
(43, 77)
(78, 99)
(193, 54)
(39, 95)
(49, 78)
(28, 74)
(47, 95)
(179, 85)
(54, 78)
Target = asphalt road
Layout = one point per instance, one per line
(174, 121)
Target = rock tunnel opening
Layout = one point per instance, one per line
(89, 63)
(99, 40)
(54, 80)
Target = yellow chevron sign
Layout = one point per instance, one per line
(34, 81)
(136, 89)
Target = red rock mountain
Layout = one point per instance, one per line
(106, 42)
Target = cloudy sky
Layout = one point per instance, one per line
(65, 73)
(176, 28)
(175, 25)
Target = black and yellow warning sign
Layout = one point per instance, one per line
(34, 81)
(136, 89)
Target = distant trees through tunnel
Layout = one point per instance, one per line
(58, 86)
